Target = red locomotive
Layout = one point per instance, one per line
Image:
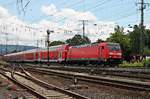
(99, 53)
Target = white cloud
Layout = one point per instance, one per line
(148, 26)
(127, 29)
(14, 28)
(65, 23)
(49, 10)
(67, 13)
(4, 13)
(68, 19)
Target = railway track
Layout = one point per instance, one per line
(8, 75)
(86, 80)
(89, 68)
(138, 73)
(39, 88)
(117, 82)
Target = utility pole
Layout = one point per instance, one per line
(142, 26)
(37, 44)
(142, 8)
(83, 27)
(37, 54)
(48, 44)
(6, 37)
(17, 44)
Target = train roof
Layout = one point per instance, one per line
(86, 45)
(58, 47)
(94, 44)
(40, 49)
(113, 43)
(22, 52)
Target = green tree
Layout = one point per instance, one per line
(135, 40)
(147, 36)
(14, 51)
(147, 42)
(78, 40)
(120, 37)
(99, 40)
(54, 43)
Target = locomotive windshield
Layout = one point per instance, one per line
(114, 46)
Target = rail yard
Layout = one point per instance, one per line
(74, 49)
(67, 83)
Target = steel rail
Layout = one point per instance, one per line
(32, 91)
(50, 86)
(97, 68)
(130, 73)
(131, 84)
(73, 94)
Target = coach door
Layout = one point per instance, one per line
(34, 56)
(60, 56)
(39, 55)
(102, 52)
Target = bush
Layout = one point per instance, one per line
(3, 63)
(135, 64)
(146, 51)
(147, 63)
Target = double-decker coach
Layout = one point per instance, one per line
(56, 53)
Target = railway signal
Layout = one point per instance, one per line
(48, 44)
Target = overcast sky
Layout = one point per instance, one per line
(27, 22)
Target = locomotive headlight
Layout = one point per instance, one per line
(110, 53)
(119, 54)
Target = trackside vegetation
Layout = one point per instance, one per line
(129, 41)
(144, 63)
(126, 64)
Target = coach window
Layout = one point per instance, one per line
(102, 47)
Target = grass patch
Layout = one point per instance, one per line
(147, 63)
(128, 65)
(3, 62)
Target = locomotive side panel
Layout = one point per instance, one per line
(83, 53)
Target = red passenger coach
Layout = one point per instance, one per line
(95, 53)
(56, 53)
(14, 57)
(26, 56)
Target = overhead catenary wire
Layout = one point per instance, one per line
(98, 5)
(119, 16)
(101, 4)
(100, 8)
(109, 17)
(75, 4)
(8, 3)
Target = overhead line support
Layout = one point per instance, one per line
(83, 27)
(142, 8)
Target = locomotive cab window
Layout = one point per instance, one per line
(114, 46)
